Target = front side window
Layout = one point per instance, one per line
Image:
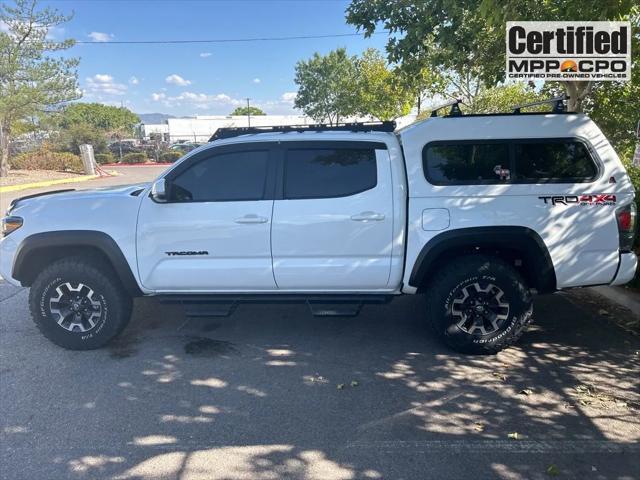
(233, 176)
(329, 172)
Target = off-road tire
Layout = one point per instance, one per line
(499, 291)
(109, 305)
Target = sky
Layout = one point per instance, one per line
(200, 79)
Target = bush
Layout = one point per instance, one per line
(70, 139)
(134, 157)
(45, 159)
(170, 156)
(102, 158)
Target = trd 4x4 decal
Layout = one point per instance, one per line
(597, 199)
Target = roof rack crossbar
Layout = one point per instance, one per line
(455, 108)
(558, 104)
(230, 132)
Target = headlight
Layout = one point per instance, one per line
(9, 224)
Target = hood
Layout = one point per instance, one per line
(115, 191)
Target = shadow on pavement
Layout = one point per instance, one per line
(272, 392)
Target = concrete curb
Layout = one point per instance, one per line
(621, 296)
(46, 183)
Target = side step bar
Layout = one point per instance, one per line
(324, 305)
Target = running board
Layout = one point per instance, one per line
(323, 305)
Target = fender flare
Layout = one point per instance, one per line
(75, 238)
(520, 239)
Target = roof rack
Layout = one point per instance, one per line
(558, 104)
(455, 108)
(230, 132)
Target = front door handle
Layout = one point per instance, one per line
(368, 217)
(251, 218)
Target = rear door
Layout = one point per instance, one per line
(213, 233)
(333, 217)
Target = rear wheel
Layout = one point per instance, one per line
(79, 304)
(479, 304)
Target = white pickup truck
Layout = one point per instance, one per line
(476, 211)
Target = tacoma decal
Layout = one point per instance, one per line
(598, 199)
(188, 252)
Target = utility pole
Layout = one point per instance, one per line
(248, 113)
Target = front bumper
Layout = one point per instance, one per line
(627, 269)
(8, 248)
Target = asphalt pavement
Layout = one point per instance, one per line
(272, 392)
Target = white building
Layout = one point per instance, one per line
(200, 128)
(147, 129)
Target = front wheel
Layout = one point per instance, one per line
(479, 304)
(79, 304)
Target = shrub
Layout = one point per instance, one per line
(170, 156)
(134, 157)
(45, 159)
(70, 139)
(102, 158)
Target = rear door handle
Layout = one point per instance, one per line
(251, 218)
(368, 217)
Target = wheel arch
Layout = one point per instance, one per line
(521, 246)
(40, 249)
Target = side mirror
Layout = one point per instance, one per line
(159, 190)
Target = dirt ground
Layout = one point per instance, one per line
(20, 177)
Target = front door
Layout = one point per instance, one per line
(333, 226)
(213, 233)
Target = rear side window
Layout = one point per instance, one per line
(466, 163)
(233, 176)
(568, 161)
(330, 172)
(508, 162)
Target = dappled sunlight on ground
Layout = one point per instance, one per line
(272, 392)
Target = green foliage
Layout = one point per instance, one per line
(248, 111)
(32, 79)
(103, 158)
(336, 85)
(326, 86)
(100, 117)
(615, 107)
(46, 159)
(505, 97)
(170, 156)
(135, 157)
(500, 99)
(71, 138)
(379, 91)
(466, 38)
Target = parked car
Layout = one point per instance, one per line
(184, 147)
(476, 212)
(124, 147)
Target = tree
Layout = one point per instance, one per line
(326, 86)
(244, 111)
(467, 37)
(31, 79)
(379, 91)
(101, 117)
(92, 123)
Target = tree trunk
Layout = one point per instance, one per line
(5, 131)
(577, 92)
